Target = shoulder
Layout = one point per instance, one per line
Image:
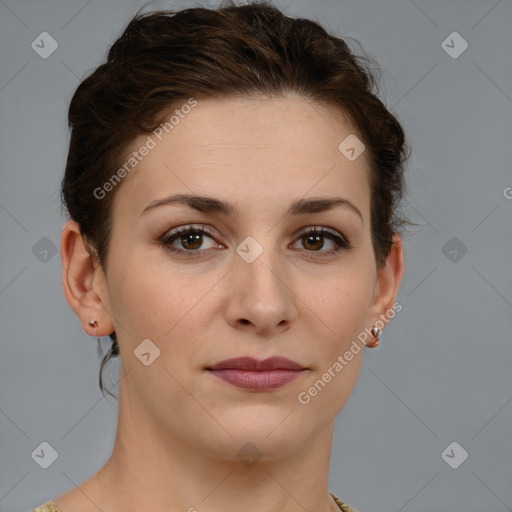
(49, 506)
(343, 506)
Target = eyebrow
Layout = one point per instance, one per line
(212, 205)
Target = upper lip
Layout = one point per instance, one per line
(251, 364)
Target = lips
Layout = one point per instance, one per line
(254, 375)
(250, 364)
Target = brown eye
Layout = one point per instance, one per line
(312, 242)
(190, 241)
(323, 241)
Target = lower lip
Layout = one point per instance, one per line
(264, 380)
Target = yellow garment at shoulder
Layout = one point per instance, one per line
(343, 506)
(49, 506)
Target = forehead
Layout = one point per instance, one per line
(248, 149)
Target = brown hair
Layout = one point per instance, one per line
(165, 57)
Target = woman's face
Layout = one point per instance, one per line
(258, 175)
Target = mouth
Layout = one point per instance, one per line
(253, 375)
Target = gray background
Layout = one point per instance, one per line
(442, 372)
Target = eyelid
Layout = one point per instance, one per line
(189, 227)
(320, 229)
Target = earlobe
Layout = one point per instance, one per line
(80, 278)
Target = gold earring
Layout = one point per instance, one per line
(376, 333)
(93, 323)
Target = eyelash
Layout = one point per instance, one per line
(168, 238)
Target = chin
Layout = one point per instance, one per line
(270, 431)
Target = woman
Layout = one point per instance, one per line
(232, 185)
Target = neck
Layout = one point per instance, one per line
(153, 470)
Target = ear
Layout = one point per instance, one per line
(388, 283)
(84, 282)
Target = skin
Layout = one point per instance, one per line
(180, 428)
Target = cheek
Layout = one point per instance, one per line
(341, 302)
(327, 392)
(157, 301)
(340, 313)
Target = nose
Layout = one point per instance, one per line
(261, 297)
